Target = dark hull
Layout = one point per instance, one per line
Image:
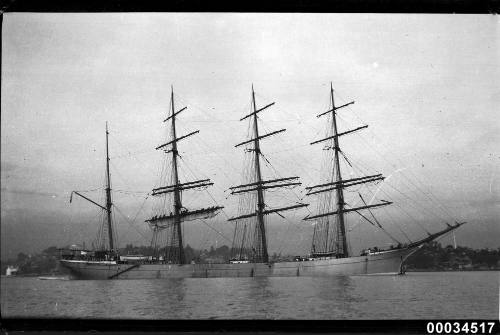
(383, 262)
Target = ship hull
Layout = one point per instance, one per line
(378, 263)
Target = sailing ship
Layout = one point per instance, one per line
(330, 252)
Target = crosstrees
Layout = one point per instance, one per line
(338, 135)
(256, 111)
(180, 188)
(265, 187)
(181, 185)
(175, 140)
(347, 210)
(334, 109)
(344, 184)
(345, 181)
(269, 211)
(264, 182)
(174, 114)
(260, 137)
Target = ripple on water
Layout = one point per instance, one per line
(416, 295)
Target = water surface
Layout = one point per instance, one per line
(424, 295)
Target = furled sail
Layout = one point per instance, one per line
(166, 221)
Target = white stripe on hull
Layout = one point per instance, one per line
(384, 262)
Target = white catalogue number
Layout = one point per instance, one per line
(460, 327)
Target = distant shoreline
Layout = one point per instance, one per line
(32, 275)
(433, 257)
(433, 270)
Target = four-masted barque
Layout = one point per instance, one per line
(330, 253)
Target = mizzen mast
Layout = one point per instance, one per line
(109, 204)
(260, 248)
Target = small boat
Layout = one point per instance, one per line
(53, 278)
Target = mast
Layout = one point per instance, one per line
(109, 204)
(177, 195)
(337, 185)
(259, 185)
(340, 192)
(260, 193)
(243, 240)
(173, 221)
(108, 194)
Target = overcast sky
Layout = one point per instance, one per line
(427, 86)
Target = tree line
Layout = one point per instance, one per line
(431, 257)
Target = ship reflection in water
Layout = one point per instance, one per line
(430, 295)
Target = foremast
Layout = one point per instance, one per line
(340, 191)
(337, 184)
(260, 248)
(174, 250)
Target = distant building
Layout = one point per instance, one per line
(459, 262)
(11, 271)
(465, 266)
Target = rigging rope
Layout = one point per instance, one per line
(130, 154)
(130, 222)
(442, 207)
(93, 190)
(428, 210)
(208, 192)
(218, 232)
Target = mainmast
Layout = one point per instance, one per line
(259, 185)
(173, 221)
(108, 194)
(337, 184)
(177, 194)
